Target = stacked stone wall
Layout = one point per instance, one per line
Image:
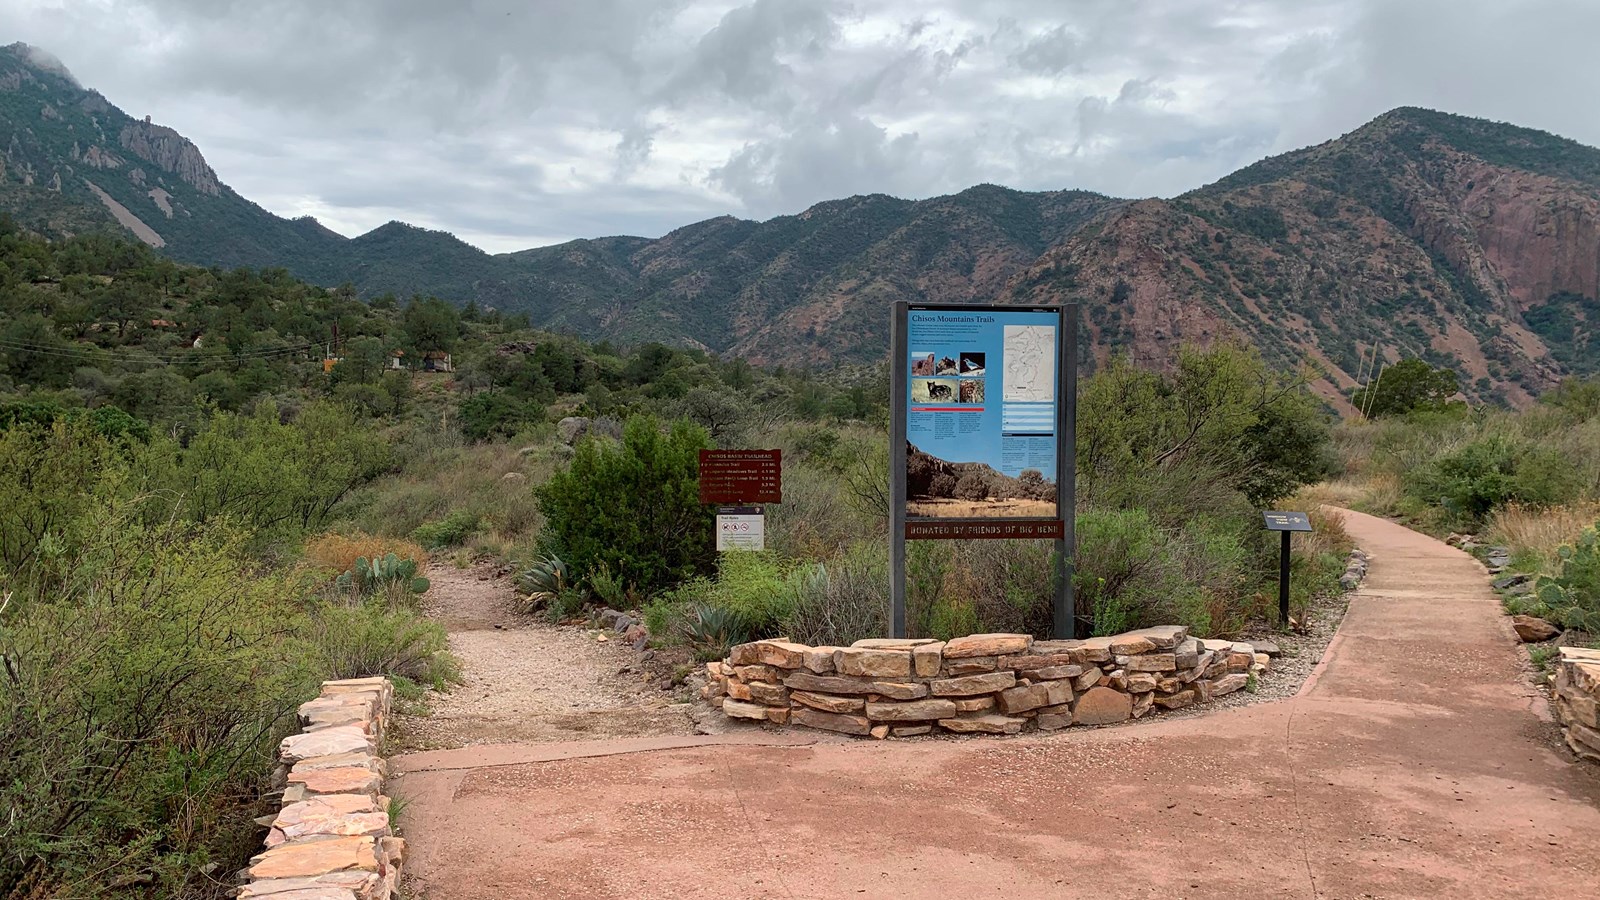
(330, 839)
(1577, 687)
(983, 683)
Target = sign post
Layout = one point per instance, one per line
(730, 479)
(1287, 523)
(983, 433)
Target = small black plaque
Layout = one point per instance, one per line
(1287, 521)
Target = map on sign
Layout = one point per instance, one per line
(1030, 359)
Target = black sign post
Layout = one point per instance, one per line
(1287, 523)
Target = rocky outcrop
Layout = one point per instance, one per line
(172, 152)
(331, 839)
(1577, 696)
(979, 684)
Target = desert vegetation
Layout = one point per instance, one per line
(1525, 482)
(219, 487)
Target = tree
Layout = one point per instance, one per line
(1407, 385)
(430, 324)
(632, 507)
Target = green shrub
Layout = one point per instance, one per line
(842, 601)
(365, 639)
(151, 678)
(633, 507)
(451, 531)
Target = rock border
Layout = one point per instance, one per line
(982, 683)
(330, 839)
(1577, 697)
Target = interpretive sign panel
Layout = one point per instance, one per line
(981, 414)
(741, 476)
(1287, 521)
(741, 528)
(983, 425)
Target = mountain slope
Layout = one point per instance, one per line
(1472, 244)
(1468, 243)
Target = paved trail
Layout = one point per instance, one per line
(1417, 764)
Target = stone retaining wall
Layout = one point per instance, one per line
(1577, 685)
(988, 683)
(331, 839)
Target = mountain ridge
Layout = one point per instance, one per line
(1469, 243)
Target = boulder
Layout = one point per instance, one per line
(1179, 700)
(983, 725)
(872, 663)
(835, 684)
(987, 645)
(829, 704)
(1130, 644)
(572, 428)
(769, 694)
(1227, 684)
(1150, 662)
(971, 685)
(738, 709)
(313, 858)
(971, 666)
(892, 643)
(813, 718)
(782, 654)
(911, 711)
(1023, 698)
(1532, 629)
(1102, 706)
(927, 658)
(819, 660)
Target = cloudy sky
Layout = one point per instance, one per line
(515, 123)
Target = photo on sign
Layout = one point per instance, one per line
(981, 434)
(922, 363)
(933, 390)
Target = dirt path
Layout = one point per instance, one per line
(529, 681)
(1417, 763)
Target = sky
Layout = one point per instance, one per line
(521, 123)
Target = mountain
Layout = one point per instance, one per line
(1468, 243)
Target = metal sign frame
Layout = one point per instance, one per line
(1063, 528)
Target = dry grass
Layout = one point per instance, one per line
(1378, 493)
(338, 552)
(1528, 530)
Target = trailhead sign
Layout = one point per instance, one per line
(981, 419)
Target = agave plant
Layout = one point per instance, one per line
(544, 580)
(711, 630)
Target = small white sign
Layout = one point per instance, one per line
(741, 528)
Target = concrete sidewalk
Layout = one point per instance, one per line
(1418, 762)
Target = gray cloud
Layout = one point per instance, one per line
(515, 123)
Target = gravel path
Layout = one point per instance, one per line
(526, 681)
